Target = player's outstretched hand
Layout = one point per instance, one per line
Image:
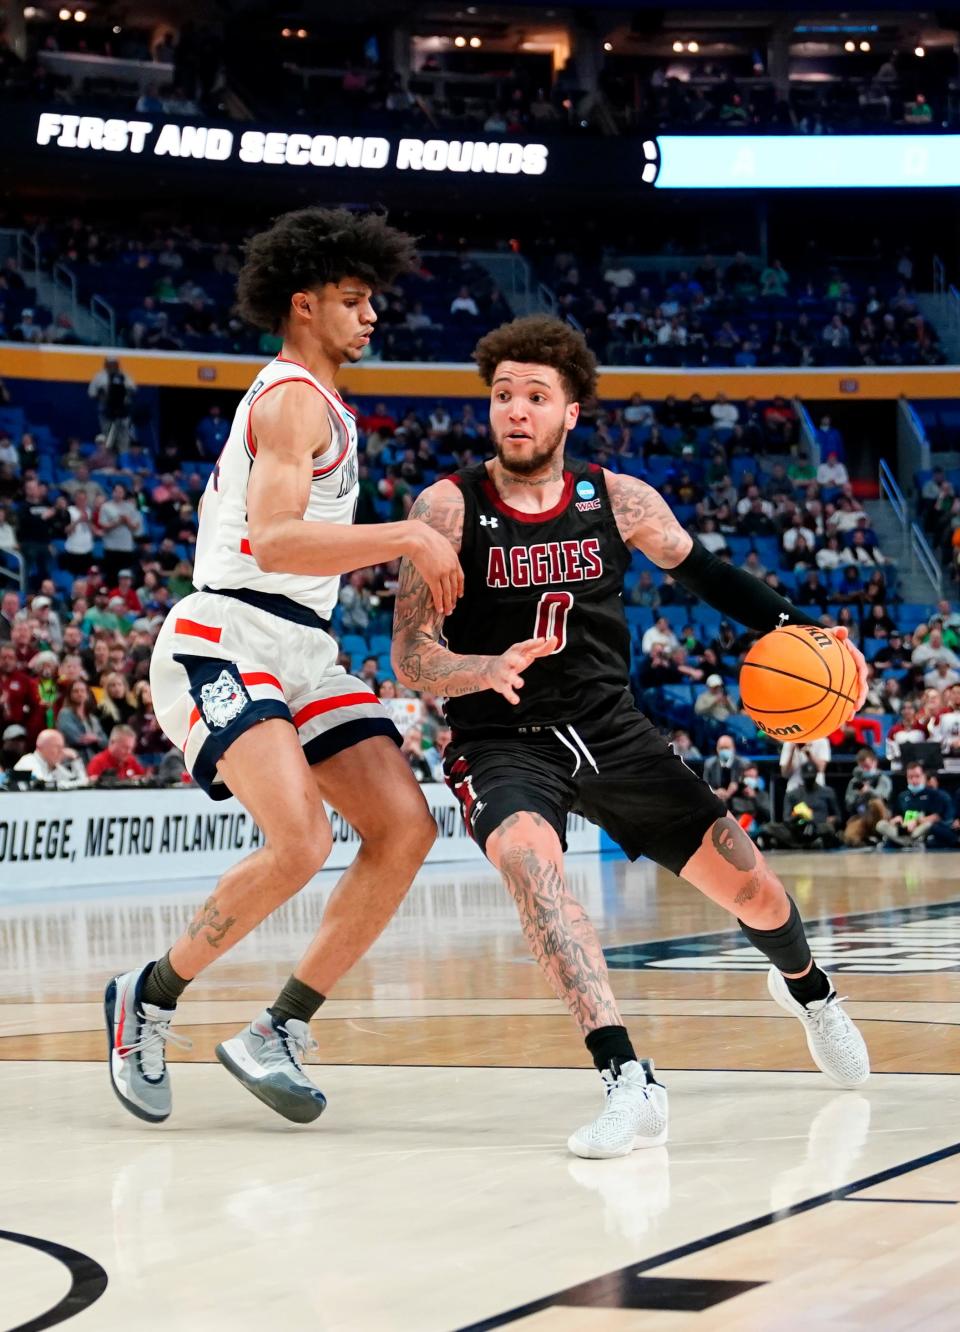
(859, 660)
(506, 671)
(438, 564)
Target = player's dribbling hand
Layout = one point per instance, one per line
(859, 660)
(438, 564)
(506, 671)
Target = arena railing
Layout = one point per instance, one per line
(923, 554)
(18, 575)
(890, 490)
(913, 446)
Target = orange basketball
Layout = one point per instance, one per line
(799, 683)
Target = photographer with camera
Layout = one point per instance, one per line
(811, 819)
(867, 799)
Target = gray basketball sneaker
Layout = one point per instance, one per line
(137, 1034)
(267, 1057)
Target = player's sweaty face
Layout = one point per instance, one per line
(529, 416)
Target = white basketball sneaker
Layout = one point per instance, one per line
(837, 1047)
(634, 1114)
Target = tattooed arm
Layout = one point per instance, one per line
(419, 660)
(645, 521)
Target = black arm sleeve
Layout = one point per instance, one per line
(735, 592)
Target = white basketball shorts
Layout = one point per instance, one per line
(225, 661)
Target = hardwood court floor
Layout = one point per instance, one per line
(436, 1192)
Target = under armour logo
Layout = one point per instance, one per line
(486, 521)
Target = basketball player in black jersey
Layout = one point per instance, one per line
(535, 663)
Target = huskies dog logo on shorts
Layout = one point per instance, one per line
(223, 700)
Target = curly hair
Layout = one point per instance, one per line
(541, 340)
(310, 247)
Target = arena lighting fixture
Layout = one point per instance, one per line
(678, 47)
(919, 51)
(459, 41)
(79, 16)
(693, 47)
(287, 32)
(475, 42)
(864, 46)
(302, 32)
(117, 29)
(64, 15)
(608, 46)
(849, 46)
(30, 12)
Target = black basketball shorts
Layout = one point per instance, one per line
(615, 769)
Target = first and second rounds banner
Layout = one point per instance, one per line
(712, 162)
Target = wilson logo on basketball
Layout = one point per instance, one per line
(779, 730)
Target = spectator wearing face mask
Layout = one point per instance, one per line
(750, 803)
(867, 799)
(811, 816)
(920, 809)
(724, 772)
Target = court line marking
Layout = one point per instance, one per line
(522, 1068)
(88, 1281)
(925, 1202)
(625, 1274)
(543, 1017)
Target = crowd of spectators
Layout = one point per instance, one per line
(173, 290)
(107, 530)
(743, 313)
(707, 96)
(861, 810)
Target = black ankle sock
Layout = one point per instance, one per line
(296, 1000)
(608, 1045)
(807, 989)
(162, 985)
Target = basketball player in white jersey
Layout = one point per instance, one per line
(244, 672)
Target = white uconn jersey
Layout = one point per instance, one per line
(224, 558)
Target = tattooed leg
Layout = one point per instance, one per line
(728, 868)
(527, 852)
(261, 762)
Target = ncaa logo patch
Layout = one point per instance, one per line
(586, 489)
(222, 700)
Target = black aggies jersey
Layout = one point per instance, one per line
(558, 573)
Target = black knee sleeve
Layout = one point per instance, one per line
(786, 946)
